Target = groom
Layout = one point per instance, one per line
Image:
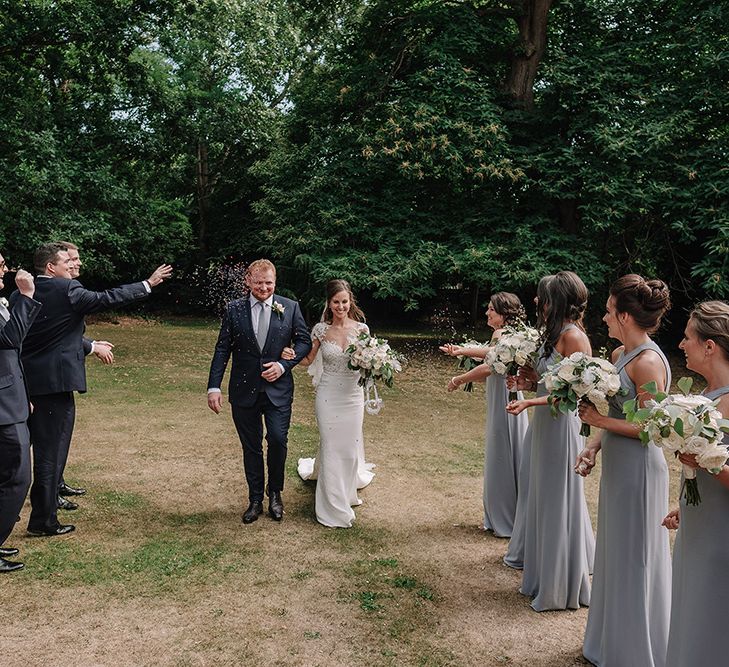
(255, 331)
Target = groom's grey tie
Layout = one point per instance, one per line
(264, 318)
(4, 312)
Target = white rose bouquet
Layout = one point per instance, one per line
(683, 423)
(376, 361)
(581, 377)
(514, 349)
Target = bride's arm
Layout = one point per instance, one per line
(309, 358)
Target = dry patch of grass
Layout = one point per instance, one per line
(162, 572)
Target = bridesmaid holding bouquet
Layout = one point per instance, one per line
(628, 619)
(558, 539)
(504, 433)
(701, 551)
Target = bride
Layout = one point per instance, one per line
(339, 467)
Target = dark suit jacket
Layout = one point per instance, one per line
(53, 352)
(238, 338)
(13, 394)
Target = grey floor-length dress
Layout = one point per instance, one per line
(559, 543)
(627, 625)
(700, 603)
(515, 553)
(502, 458)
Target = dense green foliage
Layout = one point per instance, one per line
(377, 141)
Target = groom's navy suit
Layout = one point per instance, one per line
(54, 360)
(253, 397)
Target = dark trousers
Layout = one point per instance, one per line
(51, 428)
(249, 424)
(14, 474)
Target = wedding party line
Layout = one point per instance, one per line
(644, 607)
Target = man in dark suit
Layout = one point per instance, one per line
(14, 409)
(53, 357)
(103, 350)
(255, 331)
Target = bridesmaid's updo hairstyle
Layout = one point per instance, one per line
(561, 297)
(333, 288)
(508, 306)
(646, 301)
(711, 322)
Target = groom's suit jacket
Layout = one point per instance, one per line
(237, 339)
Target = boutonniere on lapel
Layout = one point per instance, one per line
(4, 301)
(278, 309)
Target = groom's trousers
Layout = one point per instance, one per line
(249, 424)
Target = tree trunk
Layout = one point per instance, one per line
(474, 304)
(202, 190)
(532, 23)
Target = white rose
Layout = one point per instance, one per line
(566, 372)
(713, 458)
(500, 368)
(695, 445)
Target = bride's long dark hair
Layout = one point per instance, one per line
(333, 288)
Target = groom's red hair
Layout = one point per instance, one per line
(261, 265)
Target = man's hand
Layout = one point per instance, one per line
(24, 283)
(273, 371)
(215, 401)
(102, 349)
(161, 273)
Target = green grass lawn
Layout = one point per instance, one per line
(161, 571)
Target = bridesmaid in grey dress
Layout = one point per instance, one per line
(558, 539)
(701, 552)
(628, 619)
(504, 433)
(515, 553)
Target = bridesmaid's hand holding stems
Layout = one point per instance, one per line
(688, 460)
(589, 415)
(517, 407)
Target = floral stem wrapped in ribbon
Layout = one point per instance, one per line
(515, 348)
(581, 377)
(376, 361)
(683, 423)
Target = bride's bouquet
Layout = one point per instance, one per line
(514, 349)
(683, 424)
(581, 377)
(376, 361)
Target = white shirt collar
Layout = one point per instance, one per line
(254, 301)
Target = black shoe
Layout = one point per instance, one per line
(275, 506)
(67, 505)
(61, 529)
(9, 566)
(7, 551)
(252, 513)
(66, 490)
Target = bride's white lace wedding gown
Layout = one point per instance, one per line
(339, 467)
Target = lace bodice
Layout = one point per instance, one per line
(334, 358)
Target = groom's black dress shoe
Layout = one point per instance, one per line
(275, 506)
(7, 551)
(61, 529)
(9, 566)
(66, 490)
(67, 505)
(255, 509)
